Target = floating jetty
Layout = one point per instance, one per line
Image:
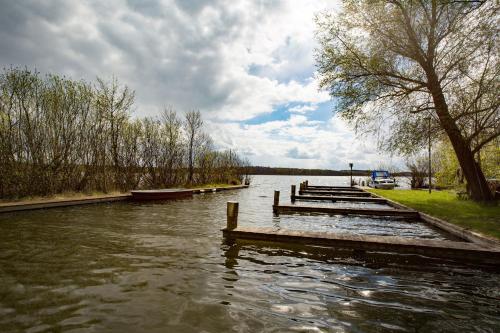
(470, 248)
(165, 194)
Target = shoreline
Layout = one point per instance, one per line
(468, 232)
(42, 203)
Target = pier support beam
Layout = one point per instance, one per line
(276, 202)
(232, 215)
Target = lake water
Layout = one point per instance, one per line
(129, 267)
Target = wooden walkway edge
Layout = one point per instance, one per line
(334, 188)
(280, 209)
(462, 251)
(338, 193)
(340, 198)
(21, 206)
(43, 204)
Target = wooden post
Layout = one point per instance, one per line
(306, 184)
(292, 194)
(276, 200)
(301, 188)
(232, 215)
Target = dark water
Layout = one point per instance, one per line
(165, 268)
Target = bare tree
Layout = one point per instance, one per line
(57, 135)
(192, 125)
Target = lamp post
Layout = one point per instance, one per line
(350, 166)
(430, 172)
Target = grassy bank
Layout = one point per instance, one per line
(445, 205)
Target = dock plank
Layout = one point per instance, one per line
(340, 193)
(339, 188)
(462, 251)
(345, 211)
(340, 198)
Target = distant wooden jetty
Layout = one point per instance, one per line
(336, 192)
(165, 194)
(55, 203)
(335, 198)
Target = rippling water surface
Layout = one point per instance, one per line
(153, 267)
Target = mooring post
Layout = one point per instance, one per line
(276, 201)
(301, 188)
(292, 194)
(306, 184)
(232, 215)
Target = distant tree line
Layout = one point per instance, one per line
(260, 170)
(58, 134)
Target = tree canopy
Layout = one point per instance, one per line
(392, 64)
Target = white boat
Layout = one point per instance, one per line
(382, 179)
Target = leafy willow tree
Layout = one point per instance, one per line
(400, 62)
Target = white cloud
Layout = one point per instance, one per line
(298, 142)
(231, 59)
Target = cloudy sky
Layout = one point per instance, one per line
(248, 66)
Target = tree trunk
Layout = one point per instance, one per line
(476, 181)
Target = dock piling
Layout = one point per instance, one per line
(232, 215)
(292, 193)
(276, 200)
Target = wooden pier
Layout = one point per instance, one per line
(461, 251)
(332, 198)
(336, 192)
(284, 209)
(55, 203)
(471, 249)
(335, 188)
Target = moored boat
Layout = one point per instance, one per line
(382, 179)
(162, 194)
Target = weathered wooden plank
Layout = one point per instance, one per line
(346, 211)
(462, 251)
(341, 193)
(14, 207)
(339, 188)
(43, 204)
(340, 198)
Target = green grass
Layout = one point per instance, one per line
(445, 205)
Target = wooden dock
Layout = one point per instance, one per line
(283, 209)
(334, 188)
(461, 251)
(340, 198)
(471, 249)
(339, 193)
(54, 203)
